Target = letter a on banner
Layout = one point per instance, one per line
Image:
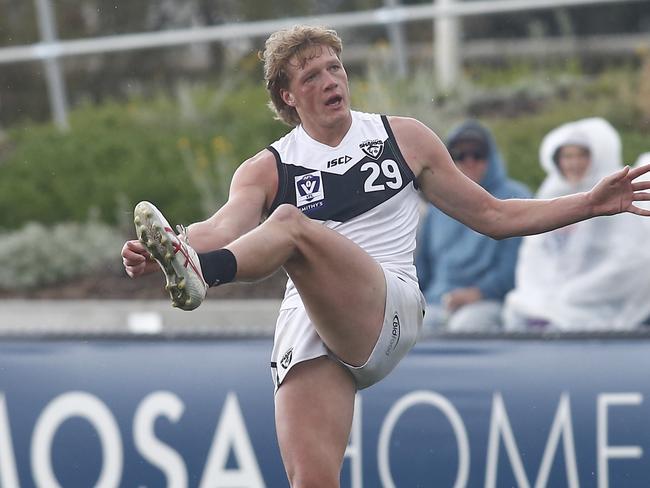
(231, 433)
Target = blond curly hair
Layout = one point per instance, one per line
(279, 49)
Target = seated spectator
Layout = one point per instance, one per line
(464, 275)
(581, 277)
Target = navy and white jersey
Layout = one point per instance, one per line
(362, 189)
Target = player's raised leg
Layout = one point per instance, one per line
(342, 287)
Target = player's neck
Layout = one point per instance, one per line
(330, 135)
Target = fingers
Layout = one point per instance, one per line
(640, 196)
(641, 170)
(134, 258)
(641, 185)
(136, 246)
(616, 177)
(134, 251)
(135, 270)
(638, 211)
(622, 173)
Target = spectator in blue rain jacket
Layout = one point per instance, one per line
(465, 275)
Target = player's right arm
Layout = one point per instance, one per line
(252, 190)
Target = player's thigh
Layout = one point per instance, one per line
(313, 413)
(343, 289)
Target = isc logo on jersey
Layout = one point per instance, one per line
(339, 161)
(309, 189)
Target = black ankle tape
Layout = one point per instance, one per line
(218, 267)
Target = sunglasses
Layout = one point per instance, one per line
(459, 157)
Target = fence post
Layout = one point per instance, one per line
(53, 73)
(446, 47)
(398, 43)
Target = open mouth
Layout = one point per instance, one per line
(334, 101)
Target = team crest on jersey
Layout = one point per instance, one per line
(372, 148)
(309, 189)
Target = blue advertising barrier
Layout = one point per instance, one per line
(199, 413)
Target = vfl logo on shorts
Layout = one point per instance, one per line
(309, 189)
(394, 335)
(372, 148)
(286, 359)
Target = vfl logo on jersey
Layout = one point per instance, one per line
(286, 359)
(372, 148)
(395, 333)
(309, 189)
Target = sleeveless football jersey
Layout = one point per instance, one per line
(362, 189)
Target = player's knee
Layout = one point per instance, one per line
(289, 217)
(286, 212)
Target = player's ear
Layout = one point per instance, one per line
(287, 98)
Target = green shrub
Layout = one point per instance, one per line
(38, 255)
(118, 154)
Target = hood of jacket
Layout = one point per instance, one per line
(495, 174)
(598, 136)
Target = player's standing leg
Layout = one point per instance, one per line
(313, 415)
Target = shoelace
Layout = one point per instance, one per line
(182, 233)
(182, 236)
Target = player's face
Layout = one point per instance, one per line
(319, 89)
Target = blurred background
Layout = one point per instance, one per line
(105, 103)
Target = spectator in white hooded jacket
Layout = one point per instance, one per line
(581, 277)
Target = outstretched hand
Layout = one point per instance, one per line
(617, 192)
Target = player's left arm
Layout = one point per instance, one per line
(446, 187)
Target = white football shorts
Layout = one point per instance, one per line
(296, 339)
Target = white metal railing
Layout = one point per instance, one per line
(382, 16)
(444, 12)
